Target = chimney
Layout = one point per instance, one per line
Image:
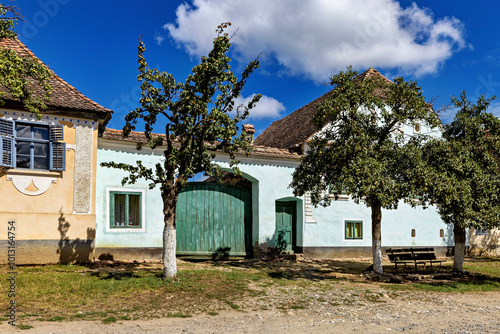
(249, 130)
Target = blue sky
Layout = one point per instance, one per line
(446, 46)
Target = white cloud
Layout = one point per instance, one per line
(159, 39)
(495, 108)
(315, 38)
(267, 107)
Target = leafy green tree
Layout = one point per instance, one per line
(361, 150)
(200, 117)
(19, 73)
(462, 177)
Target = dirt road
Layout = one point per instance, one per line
(408, 312)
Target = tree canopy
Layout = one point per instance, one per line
(201, 119)
(462, 177)
(19, 74)
(362, 148)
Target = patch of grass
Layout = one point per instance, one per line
(22, 326)
(484, 266)
(179, 315)
(231, 304)
(109, 320)
(212, 313)
(125, 317)
(473, 286)
(56, 318)
(96, 292)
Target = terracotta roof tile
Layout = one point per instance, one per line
(294, 129)
(133, 137)
(258, 150)
(64, 96)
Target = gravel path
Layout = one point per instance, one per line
(341, 309)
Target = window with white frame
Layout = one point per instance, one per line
(338, 191)
(31, 145)
(354, 229)
(125, 209)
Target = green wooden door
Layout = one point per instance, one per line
(214, 219)
(285, 226)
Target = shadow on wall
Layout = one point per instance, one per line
(267, 248)
(449, 239)
(281, 243)
(74, 250)
(484, 245)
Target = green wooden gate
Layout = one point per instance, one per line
(214, 219)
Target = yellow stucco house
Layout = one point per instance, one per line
(47, 175)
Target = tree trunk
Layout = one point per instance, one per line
(169, 235)
(459, 254)
(377, 238)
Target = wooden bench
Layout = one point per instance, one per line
(422, 255)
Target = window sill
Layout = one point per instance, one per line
(119, 230)
(340, 198)
(32, 172)
(125, 228)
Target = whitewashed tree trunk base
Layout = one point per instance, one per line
(377, 239)
(169, 252)
(459, 254)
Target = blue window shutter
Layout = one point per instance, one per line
(8, 148)
(57, 156)
(7, 143)
(6, 127)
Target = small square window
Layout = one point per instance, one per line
(125, 209)
(338, 191)
(354, 229)
(337, 188)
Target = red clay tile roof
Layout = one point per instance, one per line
(65, 98)
(258, 150)
(294, 129)
(133, 137)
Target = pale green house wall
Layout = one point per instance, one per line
(150, 236)
(320, 231)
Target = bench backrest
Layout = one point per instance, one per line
(409, 250)
(406, 254)
(401, 257)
